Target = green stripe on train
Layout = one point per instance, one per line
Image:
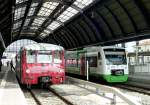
(111, 78)
(108, 78)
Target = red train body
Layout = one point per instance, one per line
(40, 63)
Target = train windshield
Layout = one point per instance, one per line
(44, 57)
(31, 57)
(115, 58)
(58, 56)
(39, 57)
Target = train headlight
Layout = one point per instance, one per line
(61, 70)
(27, 71)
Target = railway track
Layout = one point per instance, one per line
(35, 98)
(133, 88)
(48, 97)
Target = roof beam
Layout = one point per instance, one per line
(30, 17)
(2, 41)
(25, 15)
(58, 10)
(63, 2)
(144, 11)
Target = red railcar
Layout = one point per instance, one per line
(40, 63)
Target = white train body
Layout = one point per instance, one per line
(108, 62)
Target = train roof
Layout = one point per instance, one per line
(116, 47)
(103, 47)
(43, 46)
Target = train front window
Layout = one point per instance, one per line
(44, 57)
(115, 59)
(31, 57)
(58, 57)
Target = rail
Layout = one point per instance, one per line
(97, 87)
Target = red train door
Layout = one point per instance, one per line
(83, 64)
(23, 65)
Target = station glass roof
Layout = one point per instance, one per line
(42, 18)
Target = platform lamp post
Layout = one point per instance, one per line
(137, 49)
(87, 67)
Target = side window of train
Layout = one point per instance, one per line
(92, 61)
(99, 56)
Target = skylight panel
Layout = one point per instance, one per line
(38, 21)
(50, 5)
(47, 31)
(47, 8)
(17, 25)
(53, 25)
(31, 11)
(34, 4)
(66, 15)
(19, 13)
(82, 3)
(43, 34)
(33, 28)
(44, 12)
(20, 1)
(26, 22)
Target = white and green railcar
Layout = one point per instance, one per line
(109, 63)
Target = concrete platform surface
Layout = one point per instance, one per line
(81, 96)
(10, 92)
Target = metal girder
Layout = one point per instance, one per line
(105, 21)
(97, 24)
(67, 37)
(93, 28)
(82, 36)
(48, 21)
(88, 31)
(63, 2)
(72, 36)
(2, 41)
(76, 35)
(53, 16)
(25, 15)
(116, 19)
(128, 14)
(60, 39)
(29, 17)
(144, 11)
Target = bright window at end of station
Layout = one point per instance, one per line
(83, 3)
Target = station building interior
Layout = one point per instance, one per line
(75, 24)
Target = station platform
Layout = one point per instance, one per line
(10, 92)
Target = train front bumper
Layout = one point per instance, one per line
(112, 78)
